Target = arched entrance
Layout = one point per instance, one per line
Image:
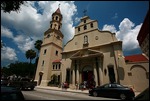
(40, 77)
(87, 74)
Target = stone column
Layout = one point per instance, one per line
(100, 75)
(95, 75)
(73, 77)
(100, 72)
(77, 75)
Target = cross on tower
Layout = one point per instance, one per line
(58, 5)
(84, 12)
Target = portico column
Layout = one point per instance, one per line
(101, 75)
(73, 77)
(95, 75)
(77, 73)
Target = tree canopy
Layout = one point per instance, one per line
(8, 6)
(30, 54)
(20, 69)
(38, 44)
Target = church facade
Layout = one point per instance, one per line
(91, 55)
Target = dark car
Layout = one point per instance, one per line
(23, 83)
(113, 90)
(11, 93)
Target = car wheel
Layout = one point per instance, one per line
(95, 94)
(123, 96)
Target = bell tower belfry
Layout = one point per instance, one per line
(51, 50)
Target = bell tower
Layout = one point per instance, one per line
(51, 50)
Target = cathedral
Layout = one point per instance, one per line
(91, 55)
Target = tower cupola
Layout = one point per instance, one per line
(56, 22)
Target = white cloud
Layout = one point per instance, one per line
(126, 25)
(8, 55)
(110, 28)
(77, 20)
(33, 24)
(127, 33)
(24, 42)
(5, 32)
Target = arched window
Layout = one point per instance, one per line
(85, 27)
(85, 39)
(53, 66)
(56, 17)
(59, 66)
(43, 63)
(91, 25)
(56, 66)
(78, 29)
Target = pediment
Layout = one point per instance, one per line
(85, 53)
(78, 53)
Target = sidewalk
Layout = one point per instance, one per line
(65, 90)
(70, 90)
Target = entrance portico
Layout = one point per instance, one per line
(86, 66)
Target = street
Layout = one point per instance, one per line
(42, 94)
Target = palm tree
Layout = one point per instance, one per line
(37, 45)
(30, 54)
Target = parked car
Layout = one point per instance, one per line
(144, 95)
(11, 93)
(24, 83)
(113, 90)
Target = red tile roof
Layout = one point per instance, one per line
(56, 61)
(136, 58)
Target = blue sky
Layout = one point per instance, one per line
(19, 31)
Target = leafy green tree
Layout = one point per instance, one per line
(8, 6)
(20, 69)
(30, 54)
